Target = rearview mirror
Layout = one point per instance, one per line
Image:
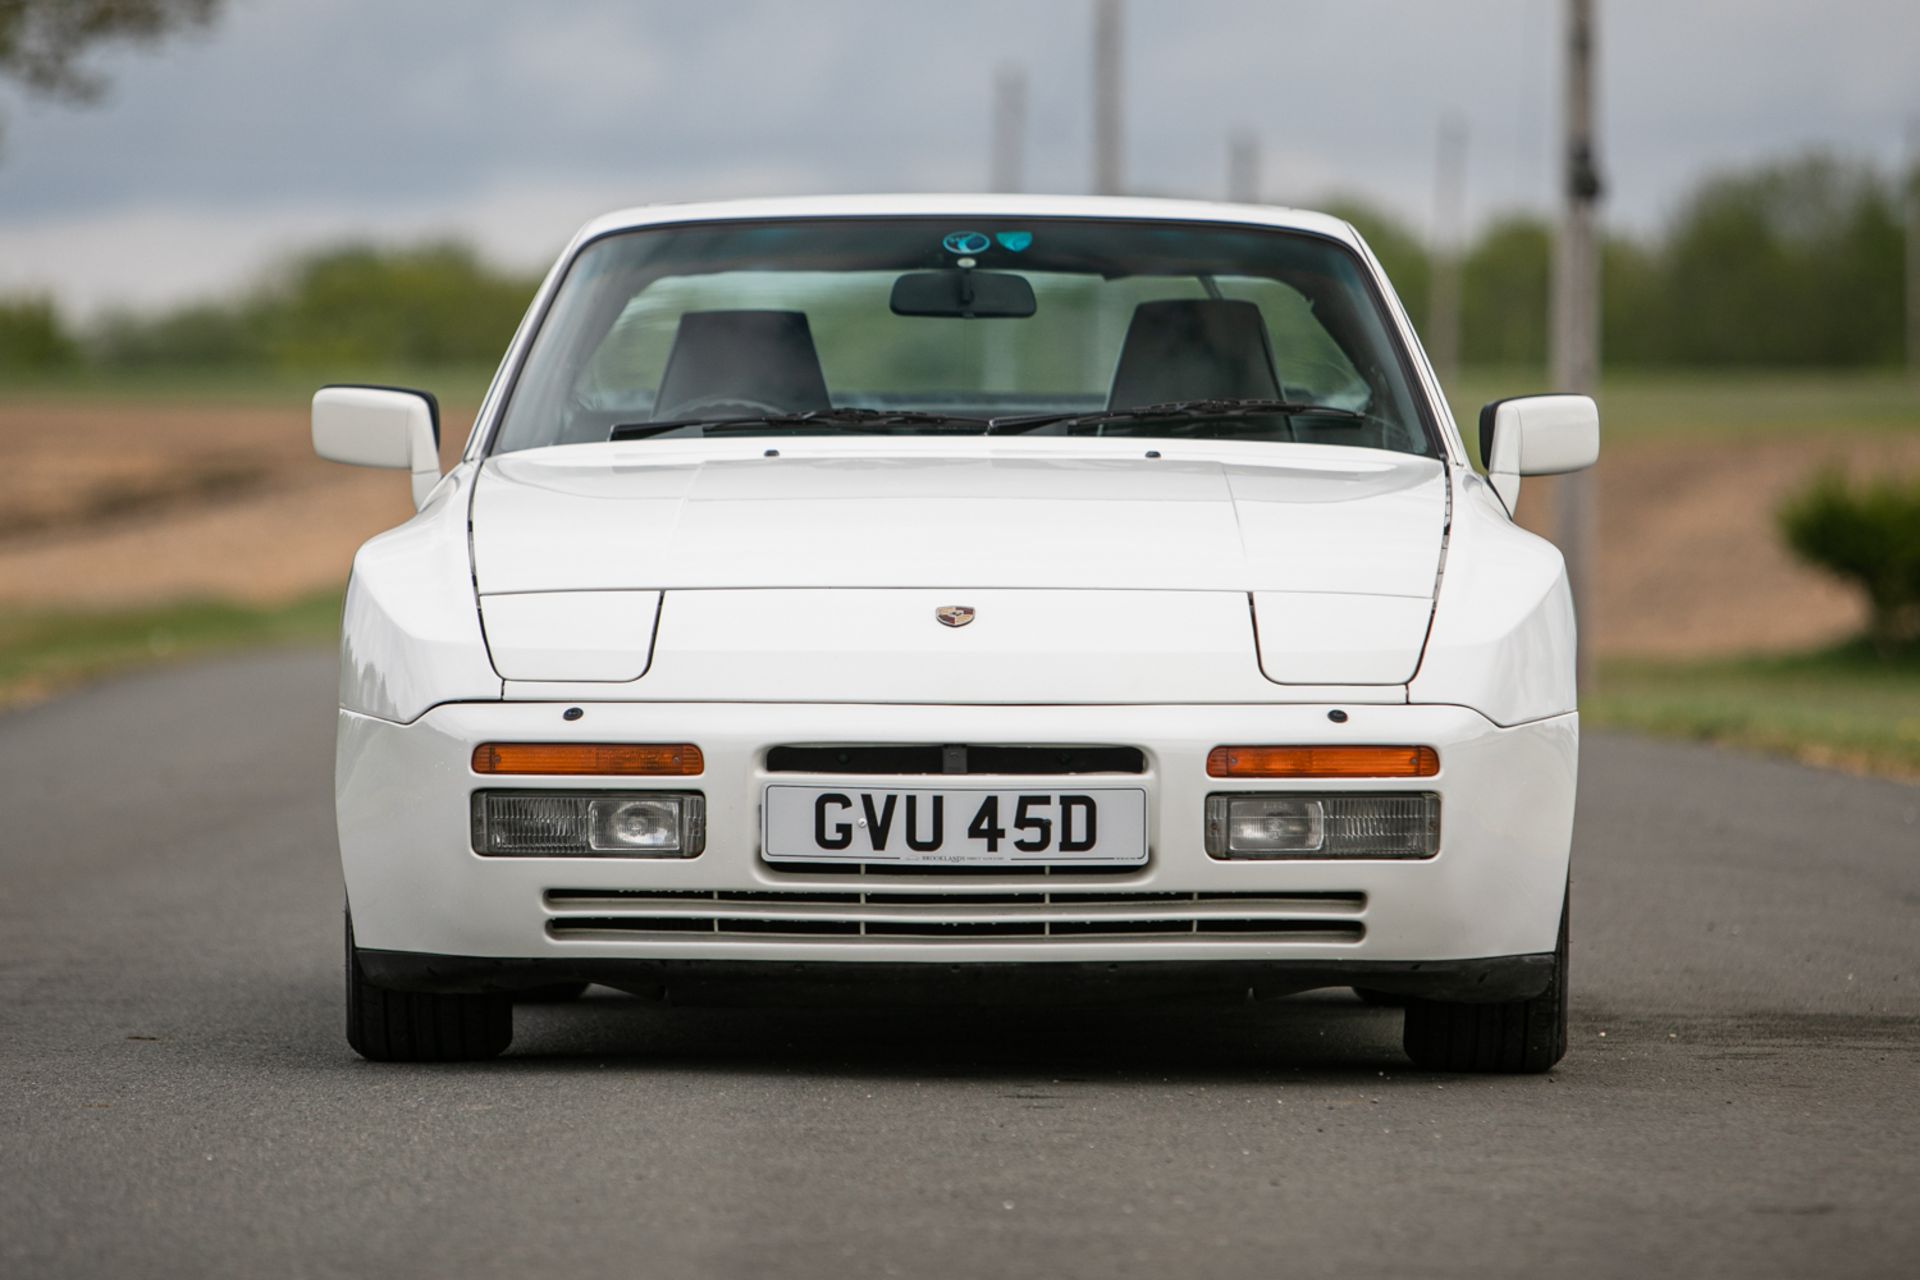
(959, 292)
(380, 427)
(1537, 436)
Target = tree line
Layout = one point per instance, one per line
(1796, 263)
(348, 306)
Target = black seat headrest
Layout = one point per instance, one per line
(760, 358)
(1194, 349)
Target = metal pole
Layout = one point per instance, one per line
(1449, 197)
(1243, 167)
(1008, 170)
(1911, 188)
(1576, 312)
(1107, 177)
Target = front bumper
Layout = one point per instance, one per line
(1493, 892)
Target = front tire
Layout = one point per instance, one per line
(1517, 1037)
(422, 1026)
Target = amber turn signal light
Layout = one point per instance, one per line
(620, 760)
(1323, 762)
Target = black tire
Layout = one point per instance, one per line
(420, 1026)
(552, 993)
(1385, 999)
(1519, 1037)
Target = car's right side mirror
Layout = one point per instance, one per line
(1537, 436)
(380, 427)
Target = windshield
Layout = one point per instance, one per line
(930, 326)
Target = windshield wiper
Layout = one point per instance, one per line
(1173, 410)
(873, 421)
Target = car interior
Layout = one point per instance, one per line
(832, 327)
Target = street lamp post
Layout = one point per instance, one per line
(1576, 310)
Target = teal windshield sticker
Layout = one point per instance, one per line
(1014, 241)
(966, 242)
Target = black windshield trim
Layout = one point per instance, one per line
(1174, 411)
(847, 419)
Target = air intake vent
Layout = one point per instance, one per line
(909, 760)
(886, 916)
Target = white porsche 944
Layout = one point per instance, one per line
(960, 599)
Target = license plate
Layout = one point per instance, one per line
(1104, 826)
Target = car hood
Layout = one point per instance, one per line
(971, 513)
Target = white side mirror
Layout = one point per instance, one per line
(380, 427)
(1537, 436)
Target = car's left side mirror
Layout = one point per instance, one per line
(1537, 436)
(380, 427)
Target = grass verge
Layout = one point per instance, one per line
(1844, 707)
(44, 652)
(1713, 404)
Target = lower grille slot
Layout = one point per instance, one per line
(748, 924)
(1343, 930)
(1094, 928)
(957, 929)
(652, 924)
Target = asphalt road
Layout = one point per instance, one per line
(176, 1098)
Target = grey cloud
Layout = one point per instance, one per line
(397, 109)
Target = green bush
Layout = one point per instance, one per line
(350, 307)
(32, 337)
(426, 304)
(203, 335)
(1869, 535)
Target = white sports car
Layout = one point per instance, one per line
(960, 599)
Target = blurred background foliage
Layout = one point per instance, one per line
(1791, 264)
(352, 305)
(1795, 264)
(31, 336)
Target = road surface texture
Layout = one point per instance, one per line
(176, 1098)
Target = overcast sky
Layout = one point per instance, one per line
(296, 121)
